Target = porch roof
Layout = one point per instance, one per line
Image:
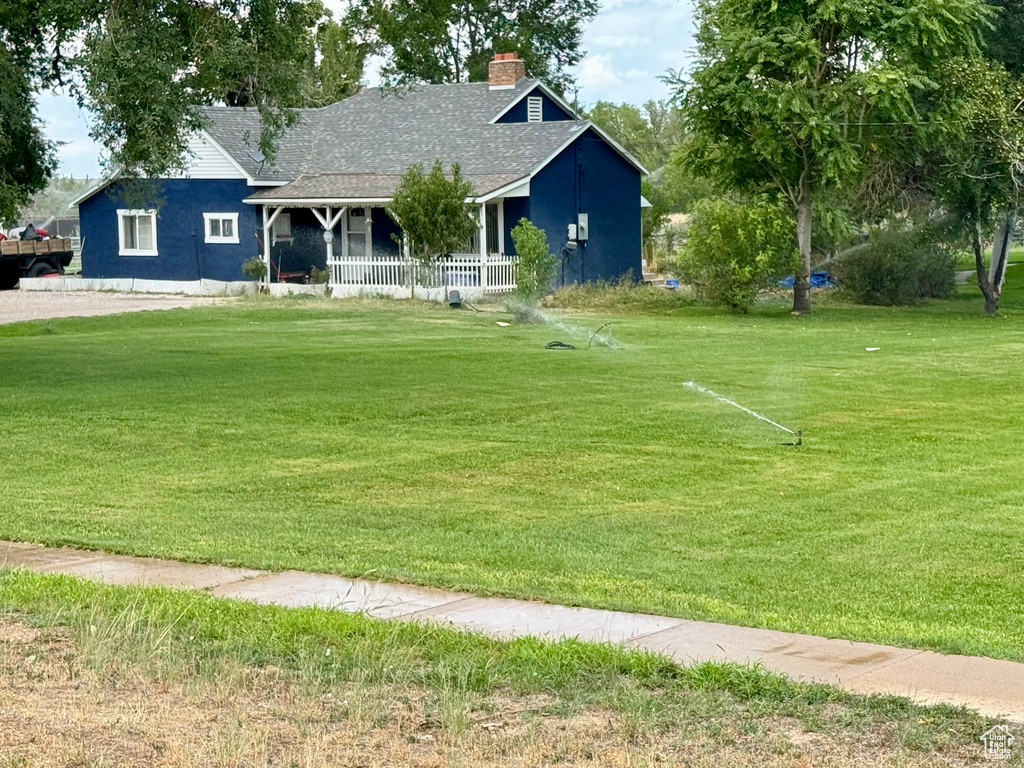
(342, 188)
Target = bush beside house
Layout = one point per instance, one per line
(734, 250)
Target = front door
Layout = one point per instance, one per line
(357, 234)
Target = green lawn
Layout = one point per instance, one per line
(422, 444)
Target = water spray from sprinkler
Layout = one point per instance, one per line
(798, 434)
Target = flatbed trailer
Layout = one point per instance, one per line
(33, 258)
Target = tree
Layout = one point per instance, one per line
(334, 66)
(972, 156)
(434, 41)
(678, 185)
(649, 133)
(139, 66)
(26, 159)
(1002, 38)
(535, 264)
(783, 90)
(432, 211)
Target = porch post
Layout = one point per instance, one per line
(267, 224)
(483, 247)
(330, 247)
(266, 242)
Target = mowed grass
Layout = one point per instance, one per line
(416, 443)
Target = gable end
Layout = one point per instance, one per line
(208, 160)
(525, 110)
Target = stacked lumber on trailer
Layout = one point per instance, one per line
(27, 247)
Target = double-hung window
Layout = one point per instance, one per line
(221, 227)
(136, 233)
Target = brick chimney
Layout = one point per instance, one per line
(505, 71)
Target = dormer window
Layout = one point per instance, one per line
(535, 109)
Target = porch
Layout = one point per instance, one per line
(360, 250)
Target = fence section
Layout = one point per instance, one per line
(402, 278)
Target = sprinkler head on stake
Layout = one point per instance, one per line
(799, 438)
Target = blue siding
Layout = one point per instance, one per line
(182, 252)
(590, 177)
(516, 208)
(382, 229)
(307, 248)
(550, 112)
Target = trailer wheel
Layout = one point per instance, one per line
(41, 268)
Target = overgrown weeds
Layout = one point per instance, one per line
(623, 296)
(369, 674)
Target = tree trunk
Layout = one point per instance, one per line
(802, 278)
(1001, 250)
(991, 293)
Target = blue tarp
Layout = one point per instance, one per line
(820, 279)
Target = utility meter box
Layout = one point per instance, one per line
(572, 232)
(583, 228)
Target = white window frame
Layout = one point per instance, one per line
(535, 109)
(232, 217)
(124, 213)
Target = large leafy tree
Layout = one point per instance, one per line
(334, 66)
(26, 160)
(437, 41)
(971, 158)
(784, 92)
(139, 66)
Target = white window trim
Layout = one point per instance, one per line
(123, 213)
(535, 109)
(234, 227)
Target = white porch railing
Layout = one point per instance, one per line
(402, 278)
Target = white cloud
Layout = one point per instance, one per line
(621, 41)
(597, 73)
(629, 45)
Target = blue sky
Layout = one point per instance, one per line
(629, 44)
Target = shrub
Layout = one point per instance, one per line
(901, 266)
(254, 268)
(734, 250)
(535, 264)
(431, 210)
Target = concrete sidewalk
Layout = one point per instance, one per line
(993, 687)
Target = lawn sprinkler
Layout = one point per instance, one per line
(798, 433)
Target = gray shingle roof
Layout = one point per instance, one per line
(363, 186)
(359, 144)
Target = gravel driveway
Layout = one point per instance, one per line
(18, 306)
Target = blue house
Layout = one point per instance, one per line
(322, 203)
